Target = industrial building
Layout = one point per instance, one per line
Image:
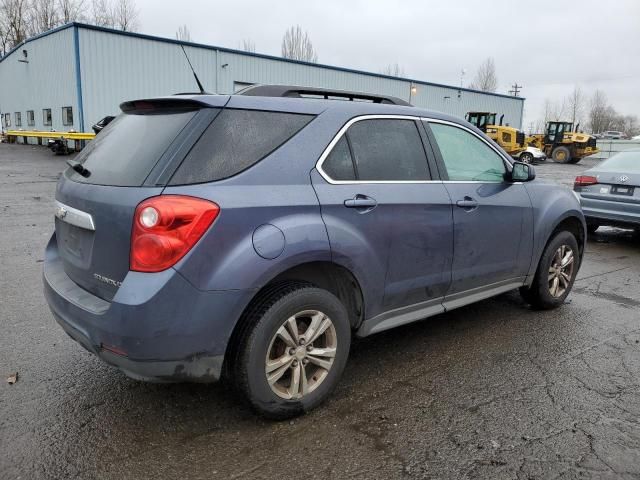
(70, 77)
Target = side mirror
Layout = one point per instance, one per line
(522, 172)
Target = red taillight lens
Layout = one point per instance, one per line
(585, 180)
(165, 228)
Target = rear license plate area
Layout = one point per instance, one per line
(75, 244)
(618, 190)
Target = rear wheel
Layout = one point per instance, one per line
(561, 155)
(293, 351)
(526, 157)
(556, 273)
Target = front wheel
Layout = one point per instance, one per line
(556, 273)
(561, 155)
(526, 157)
(293, 351)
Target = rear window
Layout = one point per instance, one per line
(129, 147)
(236, 140)
(623, 162)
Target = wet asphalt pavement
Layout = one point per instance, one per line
(494, 390)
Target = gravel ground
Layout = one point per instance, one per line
(494, 390)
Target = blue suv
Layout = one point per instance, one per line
(249, 237)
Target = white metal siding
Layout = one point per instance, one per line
(116, 67)
(47, 81)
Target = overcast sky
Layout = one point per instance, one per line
(548, 46)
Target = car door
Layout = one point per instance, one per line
(493, 217)
(387, 220)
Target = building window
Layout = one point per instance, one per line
(46, 117)
(31, 118)
(67, 115)
(18, 119)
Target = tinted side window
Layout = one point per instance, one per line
(236, 140)
(466, 157)
(388, 150)
(339, 164)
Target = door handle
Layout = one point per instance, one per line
(361, 202)
(468, 203)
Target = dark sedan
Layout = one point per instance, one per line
(610, 192)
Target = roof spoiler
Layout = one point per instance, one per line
(293, 91)
(148, 105)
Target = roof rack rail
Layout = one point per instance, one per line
(293, 91)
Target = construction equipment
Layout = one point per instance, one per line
(563, 144)
(509, 138)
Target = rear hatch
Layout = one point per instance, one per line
(129, 161)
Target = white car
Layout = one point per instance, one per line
(531, 155)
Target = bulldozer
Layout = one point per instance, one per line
(563, 144)
(509, 138)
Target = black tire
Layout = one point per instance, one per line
(538, 295)
(561, 155)
(262, 321)
(526, 157)
(592, 227)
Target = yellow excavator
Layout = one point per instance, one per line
(564, 144)
(509, 138)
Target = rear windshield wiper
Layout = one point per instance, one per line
(77, 166)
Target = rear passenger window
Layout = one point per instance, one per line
(339, 164)
(466, 157)
(236, 140)
(381, 150)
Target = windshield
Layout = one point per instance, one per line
(627, 162)
(128, 148)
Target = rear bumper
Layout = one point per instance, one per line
(157, 328)
(610, 213)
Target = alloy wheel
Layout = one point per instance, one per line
(301, 354)
(561, 271)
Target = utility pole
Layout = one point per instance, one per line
(516, 89)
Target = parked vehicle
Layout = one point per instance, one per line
(613, 135)
(251, 236)
(531, 155)
(610, 192)
(564, 144)
(509, 138)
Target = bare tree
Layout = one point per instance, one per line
(102, 13)
(248, 45)
(393, 69)
(125, 15)
(297, 45)
(43, 16)
(13, 22)
(70, 10)
(183, 33)
(575, 104)
(486, 78)
(600, 113)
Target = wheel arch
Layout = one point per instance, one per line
(327, 275)
(571, 223)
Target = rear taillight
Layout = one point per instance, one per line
(585, 180)
(165, 228)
